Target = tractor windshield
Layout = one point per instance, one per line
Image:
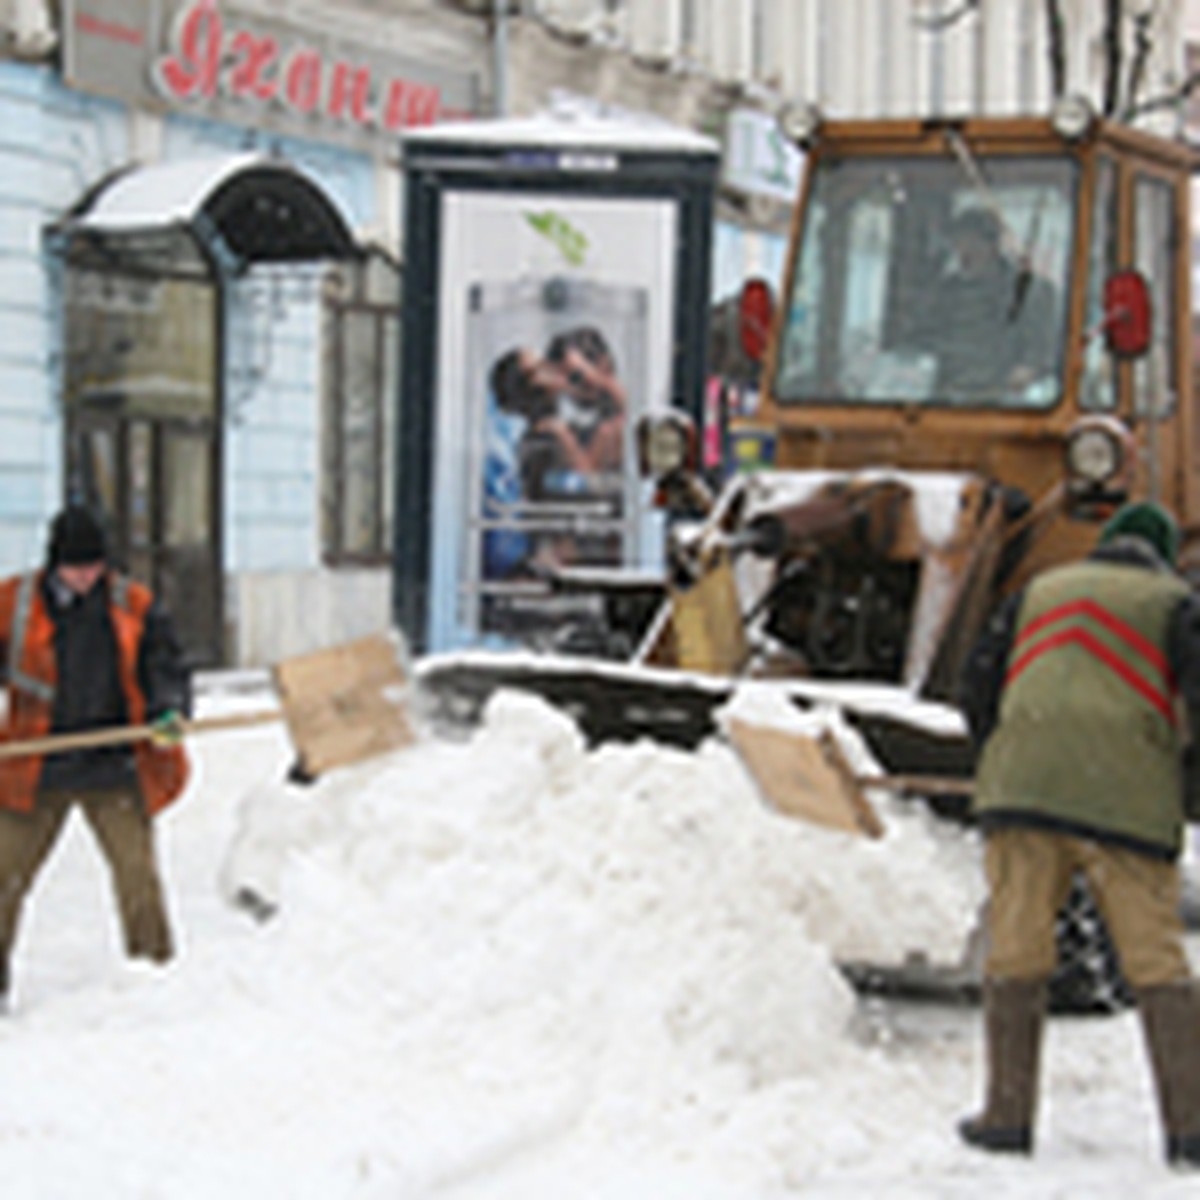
(931, 281)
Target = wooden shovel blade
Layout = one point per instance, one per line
(804, 776)
(347, 703)
(341, 705)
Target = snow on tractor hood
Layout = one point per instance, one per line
(936, 494)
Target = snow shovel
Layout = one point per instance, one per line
(341, 705)
(809, 777)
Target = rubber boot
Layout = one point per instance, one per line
(1014, 1017)
(1171, 1022)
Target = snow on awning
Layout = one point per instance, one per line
(204, 216)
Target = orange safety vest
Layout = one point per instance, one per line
(27, 630)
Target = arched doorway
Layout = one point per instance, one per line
(145, 256)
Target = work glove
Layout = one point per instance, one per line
(167, 730)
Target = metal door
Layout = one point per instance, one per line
(142, 406)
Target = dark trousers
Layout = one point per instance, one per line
(124, 832)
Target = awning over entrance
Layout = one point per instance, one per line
(204, 217)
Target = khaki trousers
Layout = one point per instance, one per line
(1029, 874)
(125, 834)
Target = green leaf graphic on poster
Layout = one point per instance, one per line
(570, 242)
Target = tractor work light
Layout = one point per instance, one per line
(1098, 453)
(1072, 117)
(801, 123)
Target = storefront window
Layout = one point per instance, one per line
(362, 323)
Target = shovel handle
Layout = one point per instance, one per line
(56, 743)
(932, 785)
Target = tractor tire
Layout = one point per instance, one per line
(1088, 979)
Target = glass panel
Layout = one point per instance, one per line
(188, 580)
(139, 346)
(362, 364)
(187, 502)
(1154, 383)
(932, 280)
(361, 484)
(1099, 384)
(390, 389)
(139, 516)
(94, 467)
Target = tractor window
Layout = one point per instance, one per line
(1154, 382)
(930, 280)
(1099, 388)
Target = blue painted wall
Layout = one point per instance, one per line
(54, 145)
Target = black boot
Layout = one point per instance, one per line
(1171, 1022)
(1014, 1016)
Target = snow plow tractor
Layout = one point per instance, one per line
(981, 347)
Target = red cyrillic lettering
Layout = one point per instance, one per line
(393, 105)
(196, 37)
(251, 74)
(302, 80)
(423, 104)
(350, 93)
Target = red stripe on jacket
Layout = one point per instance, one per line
(1160, 698)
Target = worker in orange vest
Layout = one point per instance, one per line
(86, 648)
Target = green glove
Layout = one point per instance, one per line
(167, 730)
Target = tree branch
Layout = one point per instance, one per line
(1167, 100)
(1114, 12)
(1057, 44)
(945, 20)
(1141, 53)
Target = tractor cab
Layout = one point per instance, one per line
(982, 347)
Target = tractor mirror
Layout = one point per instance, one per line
(1127, 314)
(756, 311)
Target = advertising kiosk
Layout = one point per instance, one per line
(555, 291)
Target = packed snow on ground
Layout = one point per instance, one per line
(504, 966)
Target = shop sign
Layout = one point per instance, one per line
(228, 63)
(759, 159)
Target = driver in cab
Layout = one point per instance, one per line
(992, 321)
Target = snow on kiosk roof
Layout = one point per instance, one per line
(200, 215)
(558, 132)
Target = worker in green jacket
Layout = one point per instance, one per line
(1083, 694)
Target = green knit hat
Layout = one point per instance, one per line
(1150, 522)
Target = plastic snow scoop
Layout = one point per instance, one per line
(341, 705)
(809, 777)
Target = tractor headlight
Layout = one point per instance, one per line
(801, 123)
(1096, 453)
(1072, 117)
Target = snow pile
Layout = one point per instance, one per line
(620, 938)
(513, 970)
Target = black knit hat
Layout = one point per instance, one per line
(76, 537)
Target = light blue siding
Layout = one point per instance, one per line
(54, 145)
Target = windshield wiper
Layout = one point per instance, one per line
(973, 171)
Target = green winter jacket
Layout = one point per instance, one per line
(1089, 736)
